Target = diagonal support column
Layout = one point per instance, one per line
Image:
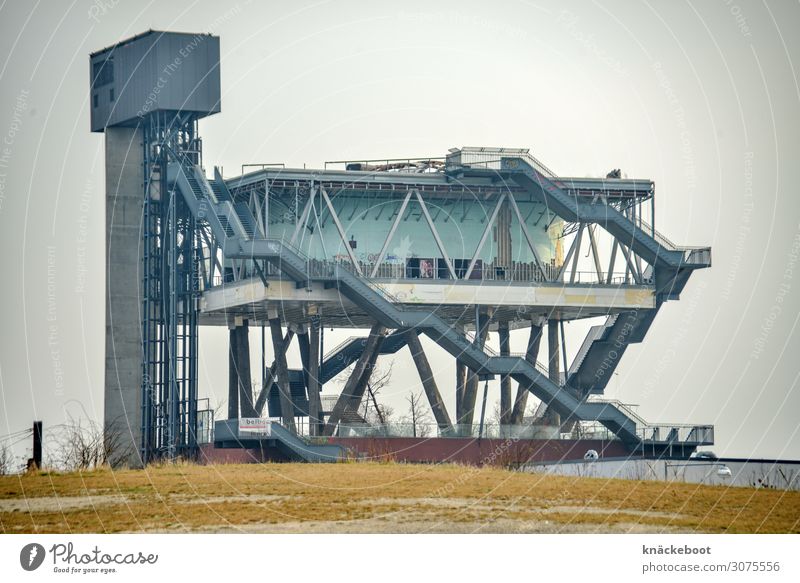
(269, 376)
(428, 382)
(531, 354)
(363, 382)
(282, 373)
(354, 388)
(471, 387)
(506, 406)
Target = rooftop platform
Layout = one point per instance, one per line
(431, 183)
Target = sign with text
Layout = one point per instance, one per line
(255, 427)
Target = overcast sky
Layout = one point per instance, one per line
(700, 97)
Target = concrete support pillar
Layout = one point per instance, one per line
(553, 367)
(240, 390)
(506, 407)
(233, 375)
(314, 388)
(282, 373)
(531, 354)
(471, 387)
(246, 408)
(354, 388)
(122, 415)
(428, 382)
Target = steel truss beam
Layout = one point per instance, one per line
(342, 234)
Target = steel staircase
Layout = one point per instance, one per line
(646, 242)
(603, 347)
(293, 446)
(346, 353)
(671, 264)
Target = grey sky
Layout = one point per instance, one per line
(701, 97)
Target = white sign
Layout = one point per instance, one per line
(254, 426)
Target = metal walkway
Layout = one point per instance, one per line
(241, 238)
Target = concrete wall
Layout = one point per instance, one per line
(772, 474)
(123, 370)
(485, 452)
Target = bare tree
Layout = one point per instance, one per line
(373, 411)
(497, 415)
(84, 445)
(418, 415)
(6, 460)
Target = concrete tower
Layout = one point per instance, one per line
(165, 78)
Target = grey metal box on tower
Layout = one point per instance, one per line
(154, 71)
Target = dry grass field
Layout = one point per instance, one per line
(365, 497)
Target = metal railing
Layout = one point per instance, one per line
(677, 434)
(387, 273)
(491, 158)
(691, 254)
(662, 432)
(626, 408)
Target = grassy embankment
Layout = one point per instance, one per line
(370, 497)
